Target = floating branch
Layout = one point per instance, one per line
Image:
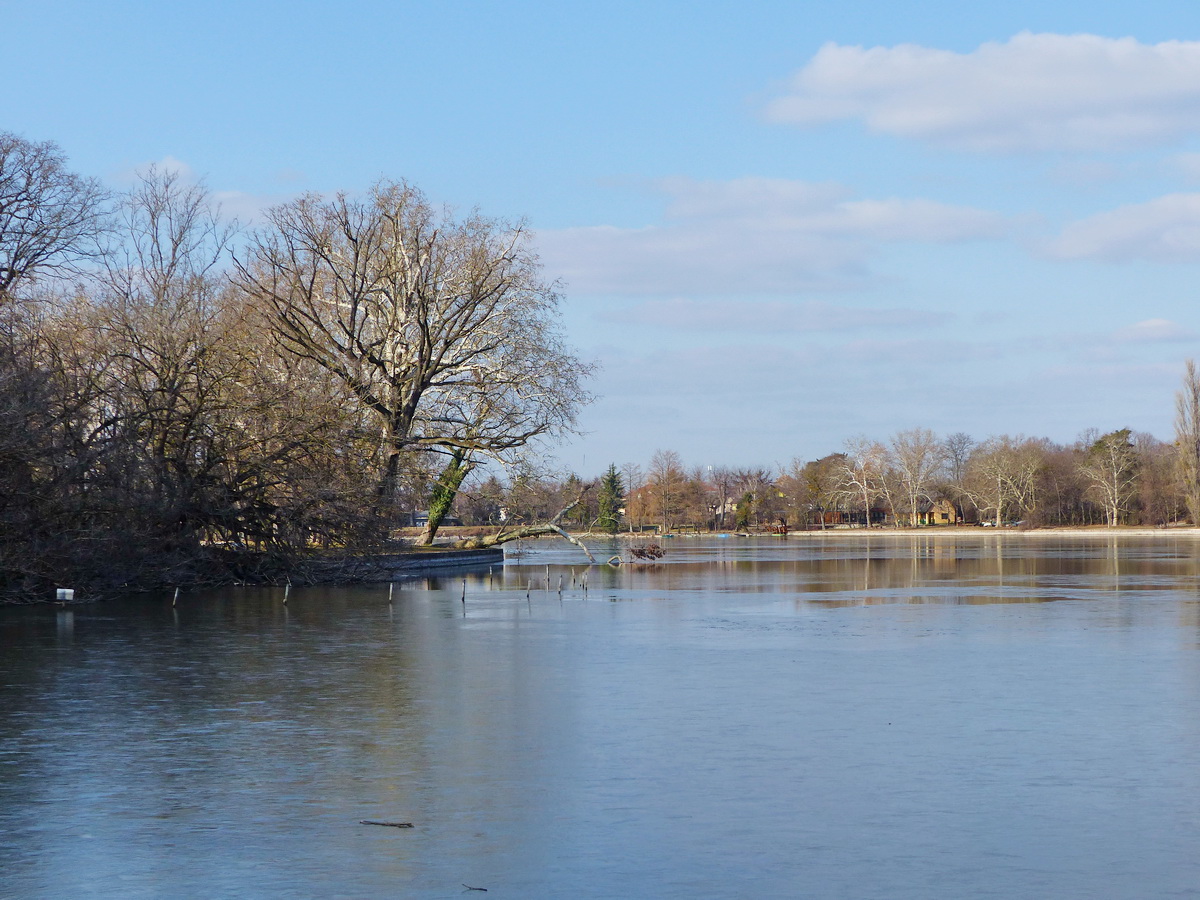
(388, 824)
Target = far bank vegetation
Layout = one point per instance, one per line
(916, 478)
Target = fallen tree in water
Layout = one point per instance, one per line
(638, 553)
(529, 531)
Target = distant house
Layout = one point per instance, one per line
(939, 512)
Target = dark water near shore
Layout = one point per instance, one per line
(899, 717)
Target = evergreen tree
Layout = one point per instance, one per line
(611, 494)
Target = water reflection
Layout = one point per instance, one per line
(867, 716)
(903, 568)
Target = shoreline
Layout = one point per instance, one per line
(1104, 531)
(379, 568)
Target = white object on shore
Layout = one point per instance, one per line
(66, 594)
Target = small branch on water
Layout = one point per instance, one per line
(469, 888)
(388, 824)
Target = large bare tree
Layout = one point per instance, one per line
(917, 457)
(443, 327)
(50, 218)
(861, 472)
(666, 481)
(1002, 474)
(219, 439)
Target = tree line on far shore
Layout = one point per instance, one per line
(913, 478)
(183, 400)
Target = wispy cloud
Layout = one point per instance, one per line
(247, 208)
(1153, 331)
(1166, 229)
(753, 235)
(170, 165)
(767, 316)
(1034, 92)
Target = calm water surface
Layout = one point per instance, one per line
(834, 717)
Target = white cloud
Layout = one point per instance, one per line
(1166, 229)
(766, 316)
(1033, 92)
(246, 208)
(752, 235)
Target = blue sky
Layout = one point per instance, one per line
(778, 225)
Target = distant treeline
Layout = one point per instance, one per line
(914, 478)
(183, 401)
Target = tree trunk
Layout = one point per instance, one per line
(386, 495)
(444, 492)
(529, 531)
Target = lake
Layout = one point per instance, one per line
(830, 716)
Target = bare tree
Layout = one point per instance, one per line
(957, 449)
(1187, 438)
(666, 481)
(798, 498)
(1002, 476)
(443, 328)
(220, 440)
(1062, 488)
(821, 477)
(50, 218)
(861, 471)
(635, 480)
(1160, 489)
(1111, 468)
(757, 497)
(917, 457)
(159, 315)
(723, 480)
